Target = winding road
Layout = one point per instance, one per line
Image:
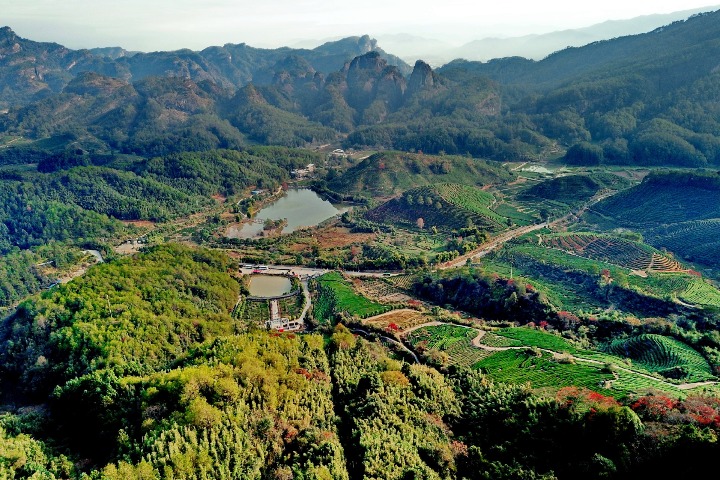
(477, 343)
(508, 235)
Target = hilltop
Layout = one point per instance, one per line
(389, 173)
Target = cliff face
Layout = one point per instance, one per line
(31, 70)
(422, 78)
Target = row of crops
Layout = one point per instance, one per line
(701, 293)
(335, 294)
(649, 353)
(404, 282)
(469, 198)
(651, 204)
(455, 341)
(618, 251)
(685, 287)
(664, 355)
(448, 206)
(519, 366)
(532, 337)
(688, 288)
(519, 215)
(252, 312)
(697, 241)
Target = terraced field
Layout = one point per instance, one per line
(696, 241)
(664, 355)
(628, 384)
(447, 206)
(659, 202)
(537, 338)
(253, 312)
(518, 215)
(499, 341)
(468, 198)
(518, 366)
(517, 363)
(338, 295)
(618, 251)
(404, 282)
(397, 320)
(454, 340)
(381, 290)
(701, 293)
(682, 286)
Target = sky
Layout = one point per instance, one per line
(151, 25)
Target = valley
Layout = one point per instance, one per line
(327, 263)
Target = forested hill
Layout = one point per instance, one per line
(674, 54)
(649, 99)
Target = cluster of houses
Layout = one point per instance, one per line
(303, 172)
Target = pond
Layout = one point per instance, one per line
(301, 207)
(269, 285)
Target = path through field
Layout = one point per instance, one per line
(476, 342)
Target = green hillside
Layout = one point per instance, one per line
(389, 173)
(665, 198)
(444, 206)
(664, 355)
(695, 241)
(572, 189)
(673, 210)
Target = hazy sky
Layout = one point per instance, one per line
(171, 24)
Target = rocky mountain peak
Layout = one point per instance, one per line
(422, 77)
(371, 61)
(7, 32)
(8, 38)
(367, 44)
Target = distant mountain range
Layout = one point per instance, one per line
(31, 70)
(645, 99)
(436, 52)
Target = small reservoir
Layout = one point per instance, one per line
(266, 286)
(301, 207)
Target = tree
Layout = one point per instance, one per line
(420, 223)
(584, 153)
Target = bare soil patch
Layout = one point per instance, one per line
(339, 237)
(403, 318)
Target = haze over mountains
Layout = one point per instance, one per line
(438, 51)
(641, 98)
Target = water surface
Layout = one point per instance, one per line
(301, 207)
(269, 285)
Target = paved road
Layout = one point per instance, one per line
(306, 294)
(489, 246)
(305, 272)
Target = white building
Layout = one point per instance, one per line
(283, 325)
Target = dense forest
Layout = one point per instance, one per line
(76, 199)
(106, 395)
